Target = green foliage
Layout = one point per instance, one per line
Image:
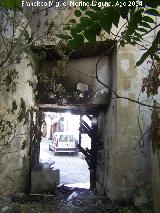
(9, 79)
(90, 34)
(73, 21)
(50, 27)
(77, 13)
(4, 125)
(63, 36)
(11, 4)
(15, 113)
(140, 20)
(23, 114)
(152, 12)
(151, 83)
(148, 19)
(14, 106)
(78, 39)
(9, 124)
(11, 115)
(151, 51)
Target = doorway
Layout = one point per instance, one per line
(66, 145)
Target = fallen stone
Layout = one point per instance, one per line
(6, 209)
(72, 196)
(60, 185)
(45, 181)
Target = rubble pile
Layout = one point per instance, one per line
(65, 200)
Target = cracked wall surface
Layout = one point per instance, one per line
(14, 163)
(124, 163)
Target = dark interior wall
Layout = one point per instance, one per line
(80, 74)
(110, 131)
(101, 153)
(107, 131)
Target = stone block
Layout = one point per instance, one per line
(45, 181)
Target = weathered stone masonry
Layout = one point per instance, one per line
(124, 166)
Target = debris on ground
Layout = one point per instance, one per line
(72, 196)
(65, 200)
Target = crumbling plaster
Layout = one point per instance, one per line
(125, 173)
(82, 71)
(14, 162)
(128, 165)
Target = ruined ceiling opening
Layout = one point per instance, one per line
(59, 79)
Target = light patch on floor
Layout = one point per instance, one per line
(73, 169)
(79, 185)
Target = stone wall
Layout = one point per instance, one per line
(129, 164)
(156, 181)
(14, 164)
(100, 176)
(14, 161)
(124, 163)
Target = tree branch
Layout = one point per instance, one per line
(116, 94)
(151, 29)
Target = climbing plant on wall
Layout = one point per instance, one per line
(93, 23)
(134, 21)
(13, 111)
(15, 40)
(15, 43)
